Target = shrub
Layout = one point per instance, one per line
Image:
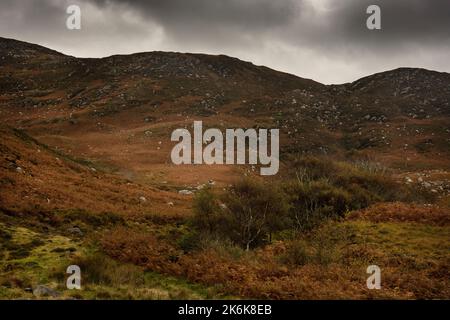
(313, 201)
(371, 186)
(207, 214)
(250, 213)
(190, 241)
(254, 211)
(324, 253)
(325, 188)
(310, 168)
(296, 254)
(322, 189)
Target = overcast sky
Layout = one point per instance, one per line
(325, 40)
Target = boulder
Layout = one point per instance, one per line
(75, 231)
(43, 291)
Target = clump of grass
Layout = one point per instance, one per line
(105, 278)
(90, 218)
(321, 246)
(297, 253)
(19, 243)
(100, 269)
(5, 236)
(10, 281)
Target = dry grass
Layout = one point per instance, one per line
(403, 212)
(51, 181)
(407, 241)
(413, 258)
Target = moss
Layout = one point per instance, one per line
(30, 258)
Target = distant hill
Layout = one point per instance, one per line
(399, 116)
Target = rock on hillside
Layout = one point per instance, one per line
(395, 115)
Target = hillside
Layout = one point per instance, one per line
(36, 177)
(134, 102)
(86, 178)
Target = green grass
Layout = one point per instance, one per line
(416, 239)
(27, 258)
(362, 243)
(45, 261)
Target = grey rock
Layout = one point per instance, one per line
(75, 231)
(43, 291)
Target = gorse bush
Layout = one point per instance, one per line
(254, 211)
(370, 181)
(324, 189)
(313, 201)
(249, 212)
(207, 214)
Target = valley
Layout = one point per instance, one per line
(86, 178)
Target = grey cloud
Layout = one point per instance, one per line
(248, 14)
(403, 20)
(232, 23)
(326, 40)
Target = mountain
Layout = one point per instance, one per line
(86, 179)
(124, 105)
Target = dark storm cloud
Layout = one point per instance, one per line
(326, 40)
(29, 16)
(214, 21)
(344, 20)
(403, 21)
(248, 14)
